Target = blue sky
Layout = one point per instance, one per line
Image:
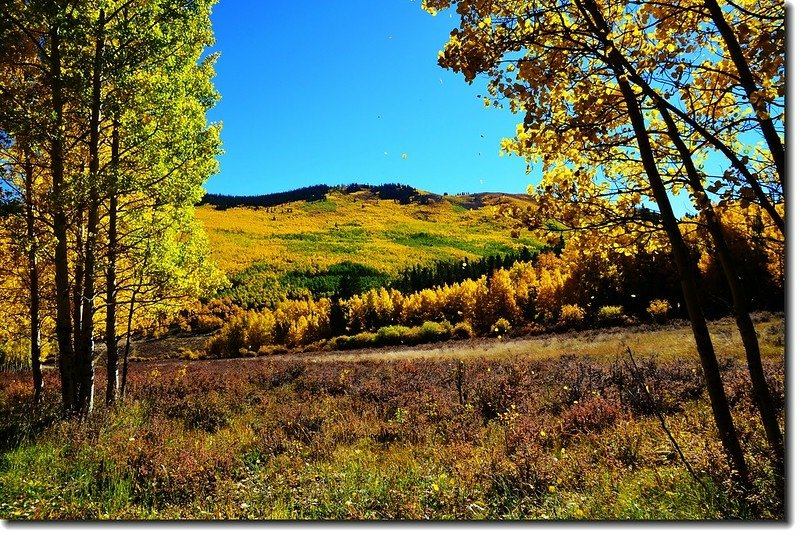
(336, 92)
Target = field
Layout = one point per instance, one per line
(378, 233)
(560, 426)
(558, 417)
(608, 344)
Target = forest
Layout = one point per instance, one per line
(581, 352)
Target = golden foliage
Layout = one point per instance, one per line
(658, 310)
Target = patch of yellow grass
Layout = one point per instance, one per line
(665, 344)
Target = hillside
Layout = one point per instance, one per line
(360, 226)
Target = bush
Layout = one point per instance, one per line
(208, 412)
(497, 387)
(501, 327)
(591, 415)
(572, 315)
(340, 342)
(610, 315)
(392, 335)
(463, 330)
(231, 338)
(658, 310)
(354, 342)
(363, 340)
(430, 331)
(207, 323)
(271, 350)
(187, 354)
(244, 352)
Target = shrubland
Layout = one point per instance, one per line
(477, 433)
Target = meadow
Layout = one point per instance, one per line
(561, 426)
(380, 351)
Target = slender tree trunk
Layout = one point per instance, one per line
(129, 327)
(85, 354)
(79, 222)
(705, 349)
(77, 285)
(112, 353)
(748, 83)
(79, 270)
(761, 394)
(126, 354)
(63, 319)
(33, 275)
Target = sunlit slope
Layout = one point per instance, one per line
(359, 227)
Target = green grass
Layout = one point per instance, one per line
(318, 207)
(43, 480)
(344, 234)
(423, 240)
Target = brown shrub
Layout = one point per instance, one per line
(591, 415)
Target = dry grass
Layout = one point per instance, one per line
(664, 343)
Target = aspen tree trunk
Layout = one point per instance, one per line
(33, 282)
(761, 394)
(79, 222)
(63, 318)
(126, 354)
(77, 284)
(748, 82)
(112, 352)
(129, 329)
(85, 355)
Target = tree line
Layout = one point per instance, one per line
(401, 193)
(104, 146)
(577, 286)
(257, 286)
(441, 272)
(628, 277)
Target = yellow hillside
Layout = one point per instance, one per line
(359, 227)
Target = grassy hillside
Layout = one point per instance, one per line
(360, 227)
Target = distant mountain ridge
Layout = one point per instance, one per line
(402, 193)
